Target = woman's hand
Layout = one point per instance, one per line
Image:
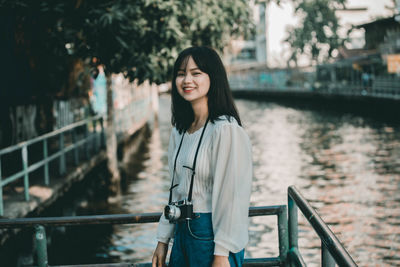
(159, 255)
(220, 261)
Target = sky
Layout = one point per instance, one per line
(280, 17)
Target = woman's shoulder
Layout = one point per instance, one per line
(225, 124)
(225, 120)
(175, 133)
(227, 128)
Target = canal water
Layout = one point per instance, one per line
(347, 166)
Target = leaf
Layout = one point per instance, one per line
(122, 42)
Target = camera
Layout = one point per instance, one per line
(179, 211)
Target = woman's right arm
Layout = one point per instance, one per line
(160, 255)
(165, 229)
(164, 233)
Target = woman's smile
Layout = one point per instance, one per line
(188, 89)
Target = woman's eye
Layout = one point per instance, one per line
(196, 73)
(181, 74)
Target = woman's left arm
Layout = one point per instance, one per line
(232, 170)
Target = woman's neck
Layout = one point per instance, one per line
(200, 110)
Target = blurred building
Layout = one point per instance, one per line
(382, 34)
(375, 67)
(279, 17)
(253, 50)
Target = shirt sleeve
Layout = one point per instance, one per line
(165, 229)
(232, 171)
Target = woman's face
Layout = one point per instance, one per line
(192, 83)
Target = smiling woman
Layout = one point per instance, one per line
(210, 229)
(192, 84)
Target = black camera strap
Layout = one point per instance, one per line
(173, 174)
(192, 169)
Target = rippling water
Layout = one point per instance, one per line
(347, 166)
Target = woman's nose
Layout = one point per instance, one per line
(188, 79)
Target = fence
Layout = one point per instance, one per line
(333, 251)
(78, 138)
(381, 87)
(132, 110)
(39, 225)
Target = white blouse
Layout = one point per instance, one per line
(222, 184)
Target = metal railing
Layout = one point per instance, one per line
(333, 251)
(39, 225)
(85, 134)
(386, 88)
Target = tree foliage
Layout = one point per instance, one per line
(316, 33)
(139, 38)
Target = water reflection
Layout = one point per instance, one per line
(347, 166)
(147, 192)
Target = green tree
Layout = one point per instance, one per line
(139, 38)
(316, 34)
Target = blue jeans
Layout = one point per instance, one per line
(194, 244)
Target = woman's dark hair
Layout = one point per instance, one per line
(220, 100)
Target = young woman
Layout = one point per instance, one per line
(210, 165)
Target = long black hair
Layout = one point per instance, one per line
(220, 100)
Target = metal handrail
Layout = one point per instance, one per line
(62, 150)
(41, 242)
(124, 120)
(385, 89)
(332, 250)
(49, 135)
(115, 218)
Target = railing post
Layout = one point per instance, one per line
(86, 147)
(26, 174)
(328, 238)
(46, 164)
(41, 246)
(293, 230)
(62, 155)
(76, 149)
(327, 259)
(293, 223)
(283, 234)
(1, 193)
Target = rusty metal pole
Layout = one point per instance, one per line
(326, 257)
(283, 234)
(293, 231)
(41, 245)
(293, 224)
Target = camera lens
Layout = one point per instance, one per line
(172, 212)
(167, 211)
